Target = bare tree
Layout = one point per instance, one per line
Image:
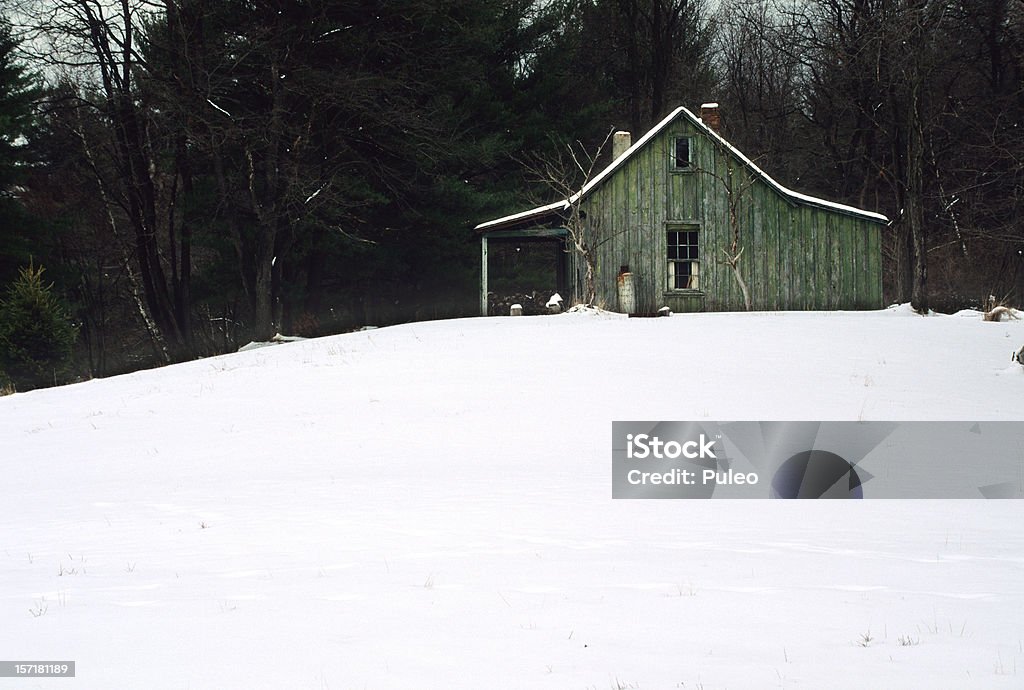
(567, 173)
(761, 87)
(98, 43)
(736, 185)
(876, 76)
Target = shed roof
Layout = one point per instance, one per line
(560, 206)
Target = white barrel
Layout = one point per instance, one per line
(627, 294)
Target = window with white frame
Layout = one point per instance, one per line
(683, 245)
(682, 149)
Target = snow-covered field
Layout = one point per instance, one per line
(429, 506)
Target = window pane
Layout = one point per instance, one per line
(683, 252)
(682, 275)
(682, 152)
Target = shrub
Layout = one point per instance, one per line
(36, 333)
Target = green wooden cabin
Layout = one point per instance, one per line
(674, 206)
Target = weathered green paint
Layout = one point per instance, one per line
(796, 255)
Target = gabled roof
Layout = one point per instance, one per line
(560, 206)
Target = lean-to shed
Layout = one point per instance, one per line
(676, 208)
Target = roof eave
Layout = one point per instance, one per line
(797, 198)
(522, 217)
(794, 197)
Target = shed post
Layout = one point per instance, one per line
(483, 275)
(561, 267)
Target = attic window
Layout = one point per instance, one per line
(681, 153)
(683, 259)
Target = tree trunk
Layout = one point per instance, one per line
(589, 287)
(915, 201)
(263, 308)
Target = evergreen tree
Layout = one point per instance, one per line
(18, 94)
(349, 145)
(36, 333)
(644, 57)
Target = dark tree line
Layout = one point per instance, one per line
(911, 107)
(198, 173)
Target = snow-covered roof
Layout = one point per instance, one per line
(795, 197)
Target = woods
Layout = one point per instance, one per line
(196, 174)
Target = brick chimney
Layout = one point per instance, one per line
(620, 142)
(709, 115)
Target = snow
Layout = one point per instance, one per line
(277, 339)
(785, 191)
(218, 108)
(540, 210)
(315, 194)
(429, 506)
(642, 141)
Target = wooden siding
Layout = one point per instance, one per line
(795, 256)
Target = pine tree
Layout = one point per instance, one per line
(36, 333)
(18, 94)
